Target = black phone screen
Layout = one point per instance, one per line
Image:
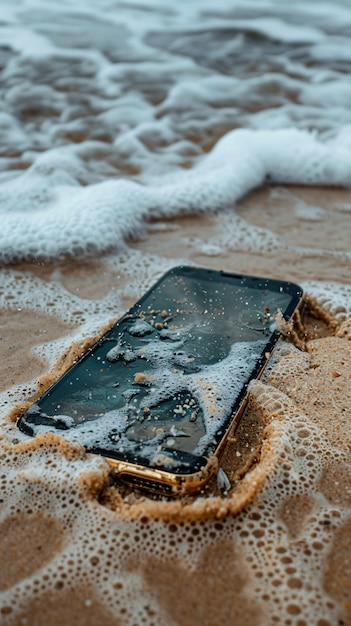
(160, 388)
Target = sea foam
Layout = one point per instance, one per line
(155, 111)
(46, 213)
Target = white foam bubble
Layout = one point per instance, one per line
(335, 298)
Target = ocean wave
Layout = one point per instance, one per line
(114, 115)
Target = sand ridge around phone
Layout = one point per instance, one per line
(248, 454)
(279, 528)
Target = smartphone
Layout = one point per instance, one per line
(159, 392)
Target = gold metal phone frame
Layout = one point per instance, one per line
(169, 483)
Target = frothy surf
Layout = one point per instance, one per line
(48, 214)
(101, 115)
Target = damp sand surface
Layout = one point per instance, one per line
(77, 547)
(135, 137)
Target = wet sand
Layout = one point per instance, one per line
(76, 548)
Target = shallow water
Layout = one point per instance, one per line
(111, 172)
(112, 116)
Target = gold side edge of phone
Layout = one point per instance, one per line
(168, 483)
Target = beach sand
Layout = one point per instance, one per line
(75, 548)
